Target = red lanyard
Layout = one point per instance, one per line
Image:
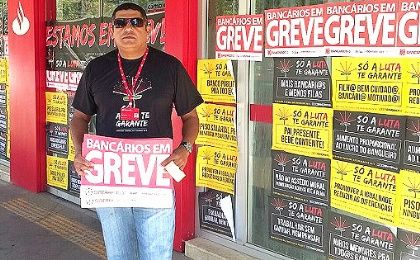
(128, 91)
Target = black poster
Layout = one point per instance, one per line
(408, 245)
(3, 95)
(354, 239)
(302, 81)
(297, 223)
(3, 143)
(366, 138)
(301, 177)
(70, 109)
(57, 139)
(411, 158)
(3, 118)
(211, 215)
(72, 44)
(74, 179)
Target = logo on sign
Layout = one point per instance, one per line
(20, 24)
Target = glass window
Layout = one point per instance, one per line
(260, 93)
(260, 135)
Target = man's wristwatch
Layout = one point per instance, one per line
(187, 146)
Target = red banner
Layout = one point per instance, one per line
(409, 28)
(294, 31)
(379, 28)
(239, 37)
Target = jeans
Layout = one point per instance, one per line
(138, 233)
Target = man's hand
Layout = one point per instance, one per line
(179, 156)
(81, 164)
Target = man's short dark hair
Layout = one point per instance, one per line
(129, 6)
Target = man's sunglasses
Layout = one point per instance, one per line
(122, 22)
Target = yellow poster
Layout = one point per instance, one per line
(217, 125)
(4, 70)
(215, 81)
(375, 84)
(365, 191)
(409, 201)
(303, 130)
(71, 151)
(411, 95)
(56, 107)
(216, 168)
(57, 172)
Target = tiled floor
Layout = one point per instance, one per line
(42, 226)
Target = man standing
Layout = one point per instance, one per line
(132, 91)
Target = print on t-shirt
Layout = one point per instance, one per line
(142, 85)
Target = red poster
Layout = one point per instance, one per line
(291, 32)
(375, 28)
(360, 29)
(409, 28)
(239, 37)
(63, 80)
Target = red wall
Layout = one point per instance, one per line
(181, 41)
(27, 100)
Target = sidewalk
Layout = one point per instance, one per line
(43, 226)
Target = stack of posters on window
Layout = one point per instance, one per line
(4, 110)
(297, 223)
(212, 216)
(217, 139)
(296, 128)
(239, 37)
(301, 152)
(4, 120)
(57, 135)
(408, 247)
(353, 239)
(376, 151)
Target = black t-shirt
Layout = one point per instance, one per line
(162, 84)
